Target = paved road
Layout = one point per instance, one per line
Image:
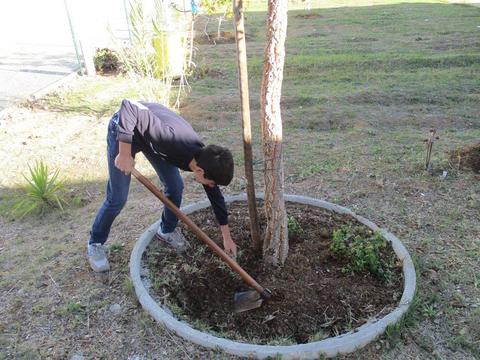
(25, 70)
(36, 47)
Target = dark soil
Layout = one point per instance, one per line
(309, 16)
(226, 37)
(312, 297)
(467, 157)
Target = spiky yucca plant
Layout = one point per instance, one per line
(42, 191)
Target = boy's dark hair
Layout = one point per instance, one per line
(217, 163)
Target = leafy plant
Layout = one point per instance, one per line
(294, 228)
(43, 190)
(128, 287)
(158, 51)
(107, 61)
(73, 307)
(363, 250)
(116, 247)
(428, 310)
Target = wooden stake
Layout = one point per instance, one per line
(247, 131)
(432, 137)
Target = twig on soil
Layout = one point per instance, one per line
(113, 278)
(328, 323)
(458, 246)
(56, 286)
(310, 317)
(44, 331)
(9, 291)
(172, 337)
(380, 312)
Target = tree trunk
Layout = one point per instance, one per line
(275, 246)
(247, 131)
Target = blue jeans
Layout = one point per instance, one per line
(119, 184)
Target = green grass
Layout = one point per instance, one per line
(294, 228)
(73, 308)
(393, 333)
(97, 96)
(116, 247)
(352, 61)
(398, 68)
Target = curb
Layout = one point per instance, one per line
(45, 90)
(42, 92)
(342, 344)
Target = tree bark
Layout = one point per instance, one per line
(247, 131)
(275, 246)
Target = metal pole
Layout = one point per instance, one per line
(128, 21)
(73, 38)
(238, 12)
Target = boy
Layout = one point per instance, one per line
(169, 143)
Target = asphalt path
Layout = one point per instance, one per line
(36, 48)
(25, 71)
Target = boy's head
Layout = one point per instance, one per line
(216, 163)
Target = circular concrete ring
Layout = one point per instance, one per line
(344, 343)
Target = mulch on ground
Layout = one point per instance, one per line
(312, 297)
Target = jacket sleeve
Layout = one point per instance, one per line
(218, 204)
(130, 114)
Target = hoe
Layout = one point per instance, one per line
(243, 301)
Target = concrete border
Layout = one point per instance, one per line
(330, 347)
(41, 92)
(55, 85)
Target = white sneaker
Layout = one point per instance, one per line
(175, 239)
(97, 257)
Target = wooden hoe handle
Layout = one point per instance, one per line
(200, 234)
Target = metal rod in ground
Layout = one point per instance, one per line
(73, 38)
(128, 21)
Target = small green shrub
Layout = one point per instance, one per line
(43, 190)
(294, 228)
(107, 61)
(363, 250)
(73, 307)
(116, 247)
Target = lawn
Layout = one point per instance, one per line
(363, 84)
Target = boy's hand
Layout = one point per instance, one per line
(125, 163)
(230, 247)
(228, 244)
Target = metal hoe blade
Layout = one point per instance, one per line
(246, 300)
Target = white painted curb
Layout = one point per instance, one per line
(55, 85)
(330, 347)
(42, 92)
